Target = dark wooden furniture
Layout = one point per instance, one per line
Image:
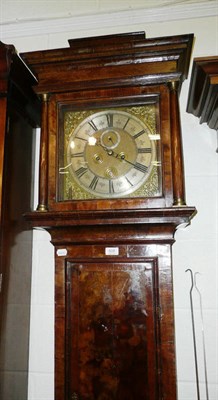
(114, 324)
(203, 91)
(19, 115)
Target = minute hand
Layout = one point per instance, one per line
(136, 165)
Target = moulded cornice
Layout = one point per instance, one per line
(34, 27)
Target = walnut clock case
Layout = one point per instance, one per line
(111, 194)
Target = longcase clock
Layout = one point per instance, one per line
(111, 194)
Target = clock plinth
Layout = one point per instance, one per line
(112, 195)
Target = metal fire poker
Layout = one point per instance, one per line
(194, 286)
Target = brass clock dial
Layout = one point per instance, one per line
(108, 154)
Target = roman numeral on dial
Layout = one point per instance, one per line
(126, 123)
(94, 182)
(92, 124)
(131, 184)
(141, 167)
(81, 138)
(78, 154)
(81, 171)
(111, 186)
(110, 119)
(145, 150)
(139, 134)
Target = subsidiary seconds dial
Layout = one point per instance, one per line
(110, 154)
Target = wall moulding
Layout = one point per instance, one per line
(66, 23)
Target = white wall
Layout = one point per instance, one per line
(35, 10)
(196, 246)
